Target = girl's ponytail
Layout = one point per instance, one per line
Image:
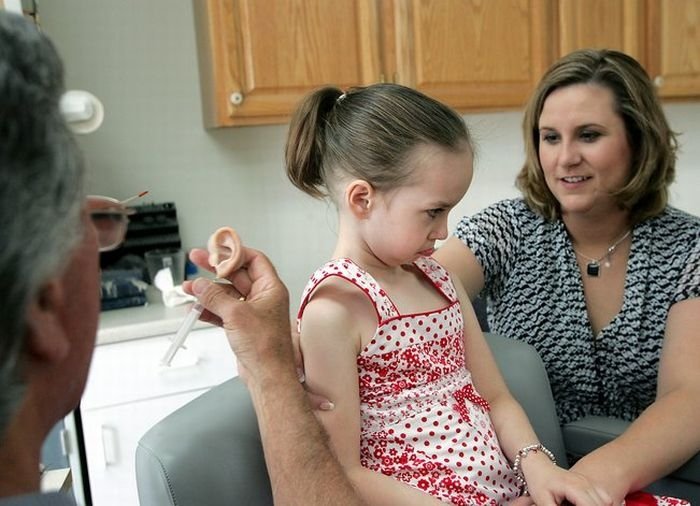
(306, 141)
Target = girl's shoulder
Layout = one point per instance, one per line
(335, 305)
(344, 282)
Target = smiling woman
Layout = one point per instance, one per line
(594, 268)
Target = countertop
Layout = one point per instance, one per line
(153, 319)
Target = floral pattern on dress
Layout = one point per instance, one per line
(423, 422)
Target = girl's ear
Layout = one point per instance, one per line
(47, 338)
(359, 196)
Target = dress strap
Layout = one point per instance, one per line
(348, 270)
(438, 276)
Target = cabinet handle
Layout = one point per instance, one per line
(110, 447)
(65, 439)
(659, 81)
(236, 98)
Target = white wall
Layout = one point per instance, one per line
(140, 58)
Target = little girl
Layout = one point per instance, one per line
(430, 417)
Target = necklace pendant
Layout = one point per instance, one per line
(593, 269)
(606, 264)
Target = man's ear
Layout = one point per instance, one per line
(47, 338)
(360, 196)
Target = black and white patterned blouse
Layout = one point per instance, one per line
(534, 293)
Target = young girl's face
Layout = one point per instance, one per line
(406, 221)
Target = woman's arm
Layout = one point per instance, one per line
(548, 484)
(457, 258)
(332, 324)
(667, 433)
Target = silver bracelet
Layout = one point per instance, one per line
(522, 453)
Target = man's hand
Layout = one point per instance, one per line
(252, 306)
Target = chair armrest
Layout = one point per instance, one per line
(587, 434)
(210, 448)
(526, 378)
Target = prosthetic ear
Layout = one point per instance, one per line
(225, 252)
(359, 195)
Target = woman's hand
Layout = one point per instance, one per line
(551, 485)
(602, 474)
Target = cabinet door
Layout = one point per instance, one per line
(674, 47)
(111, 436)
(258, 58)
(129, 371)
(472, 54)
(611, 24)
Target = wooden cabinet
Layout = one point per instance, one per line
(613, 24)
(258, 58)
(663, 35)
(674, 47)
(472, 54)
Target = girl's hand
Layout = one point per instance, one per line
(551, 485)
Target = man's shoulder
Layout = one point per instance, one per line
(52, 499)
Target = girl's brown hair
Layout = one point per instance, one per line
(366, 133)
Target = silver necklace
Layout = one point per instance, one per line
(593, 265)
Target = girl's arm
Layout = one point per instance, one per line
(548, 484)
(667, 433)
(331, 327)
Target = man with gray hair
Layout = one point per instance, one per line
(49, 272)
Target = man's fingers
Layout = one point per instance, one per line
(318, 402)
(200, 257)
(216, 298)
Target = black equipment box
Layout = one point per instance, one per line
(153, 226)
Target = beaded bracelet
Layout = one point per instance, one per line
(522, 453)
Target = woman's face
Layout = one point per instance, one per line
(583, 149)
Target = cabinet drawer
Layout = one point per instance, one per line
(130, 371)
(111, 437)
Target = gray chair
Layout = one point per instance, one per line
(208, 453)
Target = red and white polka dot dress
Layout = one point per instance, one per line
(423, 422)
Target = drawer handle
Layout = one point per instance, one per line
(236, 98)
(110, 445)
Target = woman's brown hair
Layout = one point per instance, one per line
(652, 142)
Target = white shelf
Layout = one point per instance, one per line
(128, 391)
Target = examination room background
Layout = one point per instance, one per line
(140, 59)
